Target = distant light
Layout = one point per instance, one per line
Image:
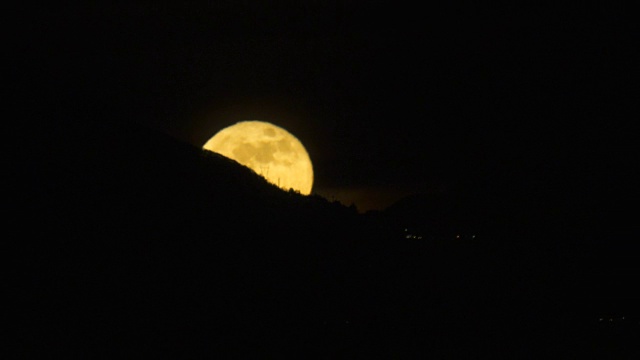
(473, 236)
(457, 236)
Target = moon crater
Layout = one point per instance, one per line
(268, 150)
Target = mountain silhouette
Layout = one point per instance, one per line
(127, 241)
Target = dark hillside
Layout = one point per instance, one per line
(555, 233)
(119, 220)
(130, 242)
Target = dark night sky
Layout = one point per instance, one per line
(389, 99)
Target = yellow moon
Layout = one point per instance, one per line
(269, 150)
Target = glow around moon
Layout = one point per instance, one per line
(269, 150)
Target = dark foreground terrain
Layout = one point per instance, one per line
(124, 242)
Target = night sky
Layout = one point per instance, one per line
(490, 153)
(389, 99)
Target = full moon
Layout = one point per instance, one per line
(269, 150)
